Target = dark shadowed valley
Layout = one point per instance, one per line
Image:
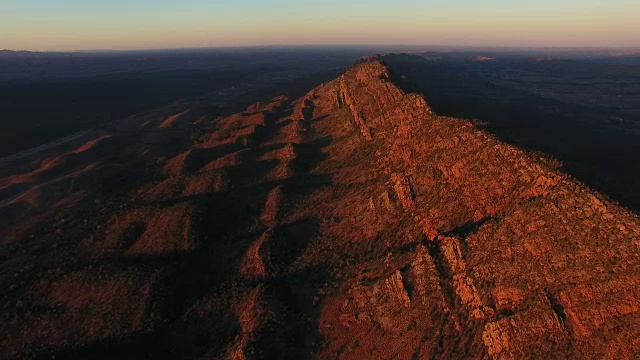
(47, 96)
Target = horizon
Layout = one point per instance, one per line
(72, 25)
(415, 47)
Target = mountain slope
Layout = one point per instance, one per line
(350, 223)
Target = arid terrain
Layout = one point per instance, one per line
(47, 96)
(353, 222)
(583, 110)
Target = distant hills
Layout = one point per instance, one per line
(16, 53)
(24, 54)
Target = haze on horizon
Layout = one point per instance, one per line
(155, 24)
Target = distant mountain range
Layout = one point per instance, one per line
(16, 53)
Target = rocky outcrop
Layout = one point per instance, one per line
(510, 234)
(358, 119)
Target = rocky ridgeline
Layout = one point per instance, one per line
(528, 259)
(350, 223)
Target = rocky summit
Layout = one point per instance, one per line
(352, 223)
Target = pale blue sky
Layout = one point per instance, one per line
(137, 24)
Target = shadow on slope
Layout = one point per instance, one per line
(602, 156)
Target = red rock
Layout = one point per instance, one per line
(361, 226)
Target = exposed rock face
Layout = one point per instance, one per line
(351, 223)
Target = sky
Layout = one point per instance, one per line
(62, 25)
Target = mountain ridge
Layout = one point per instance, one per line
(352, 222)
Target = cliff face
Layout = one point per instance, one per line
(351, 223)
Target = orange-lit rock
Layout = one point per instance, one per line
(351, 223)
